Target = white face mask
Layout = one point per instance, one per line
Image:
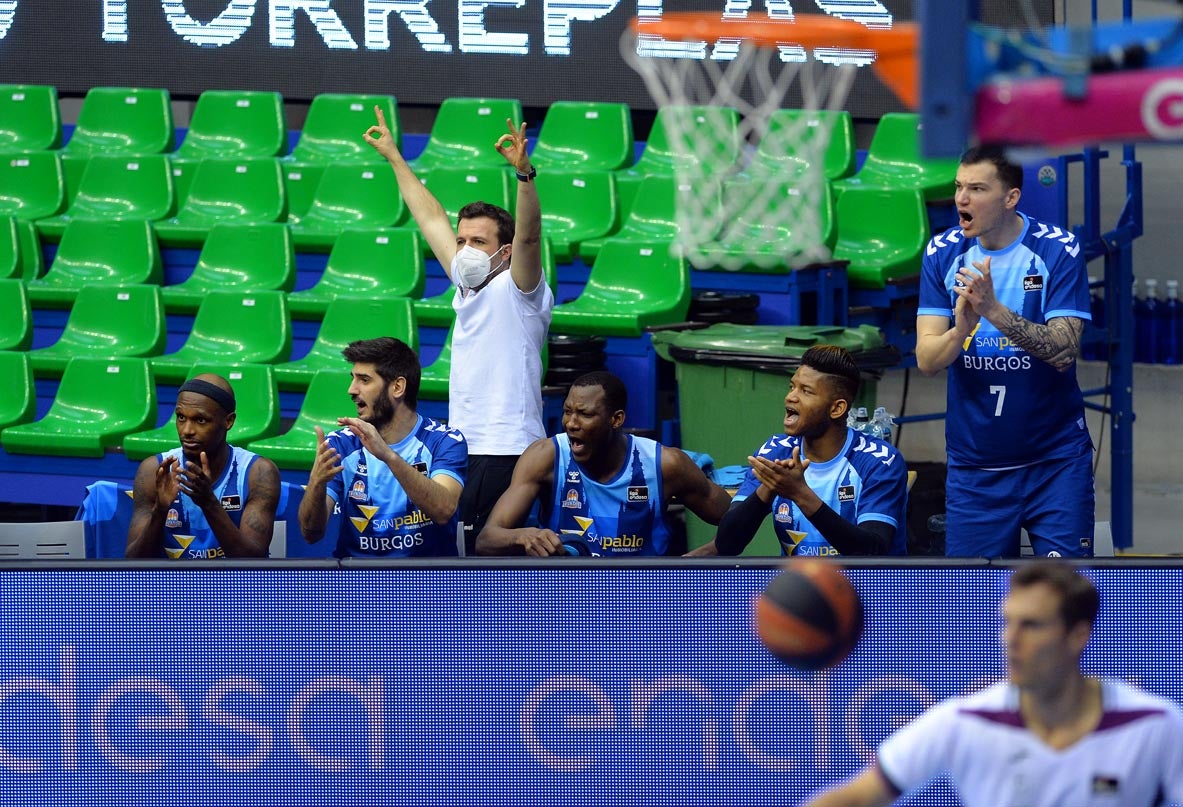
(471, 267)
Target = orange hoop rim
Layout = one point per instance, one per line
(807, 30)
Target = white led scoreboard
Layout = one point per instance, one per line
(421, 51)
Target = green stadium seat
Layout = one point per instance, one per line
(465, 131)
(437, 312)
(653, 216)
(433, 380)
(106, 322)
(18, 393)
(634, 284)
(235, 123)
(762, 247)
(32, 185)
(11, 264)
(248, 189)
(346, 320)
(32, 258)
(663, 151)
(299, 185)
(374, 263)
(98, 403)
(29, 118)
(456, 187)
(257, 416)
(121, 252)
(232, 326)
(584, 136)
(118, 120)
(237, 257)
(332, 129)
(894, 160)
(227, 124)
(783, 150)
(20, 249)
(882, 233)
(326, 400)
(348, 195)
(118, 187)
(16, 318)
(577, 206)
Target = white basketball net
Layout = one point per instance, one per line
(727, 217)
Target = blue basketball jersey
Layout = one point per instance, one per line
(867, 481)
(1007, 408)
(376, 518)
(624, 517)
(187, 533)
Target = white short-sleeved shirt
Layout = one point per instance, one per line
(1133, 759)
(495, 381)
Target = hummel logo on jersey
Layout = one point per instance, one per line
(1032, 282)
(943, 240)
(1071, 245)
(361, 469)
(573, 477)
(232, 503)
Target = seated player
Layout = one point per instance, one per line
(393, 476)
(205, 499)
(601, 491)
(830, 489)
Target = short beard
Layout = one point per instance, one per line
(382, 413)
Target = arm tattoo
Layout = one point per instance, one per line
(1057, 342)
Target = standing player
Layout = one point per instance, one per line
(392, 475)
(1048, 736)
(503, 308)
(205, 499)
(830, 489)
(1003, 298)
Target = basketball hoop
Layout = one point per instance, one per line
(776, 214)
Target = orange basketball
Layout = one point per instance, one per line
(809, 615)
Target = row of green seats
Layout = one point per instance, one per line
(634, 285)
(104, 404)
(584, 135)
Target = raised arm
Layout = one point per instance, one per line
(1057, 342)
(154, 489)
(253, 537)
(317, 505)
(437, 496)
(503, 533)
(428, 213)
(937, 344)
(525, 265)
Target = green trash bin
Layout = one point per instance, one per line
(732, 381)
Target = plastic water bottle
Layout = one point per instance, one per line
(1146, 318)
(860, 421)
(881, 424)
(1168, 326)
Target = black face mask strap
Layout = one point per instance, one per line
(220, 396)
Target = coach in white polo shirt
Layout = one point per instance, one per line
(503, 309)
(1048, 736)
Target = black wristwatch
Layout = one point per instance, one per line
(527, 177)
